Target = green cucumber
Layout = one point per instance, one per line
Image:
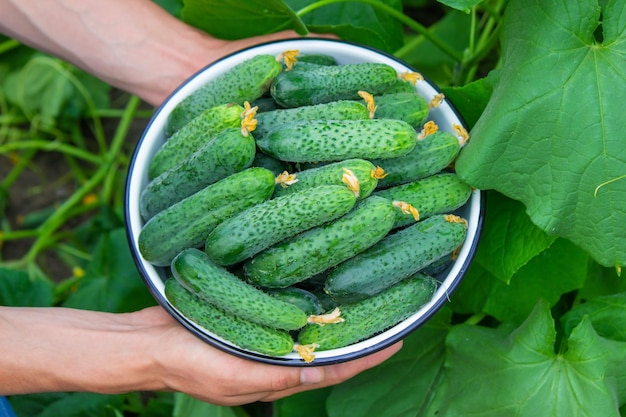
(336, 110)
(400, 86)
(394, 258)
(229, 152)
(336, 140)
(193, 269)
(187, 223)
(241, 333)
(246, 81)
(365, 172)
(263, 225)
(430, 155)
(303, 299)
(372, 315)
(438, 194)
(410, 107)
(193, 135)
(323, 247)
(271, 163)
(324, 83)
(318, 59)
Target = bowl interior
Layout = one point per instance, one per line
(444, 115)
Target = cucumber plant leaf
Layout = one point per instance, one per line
(556, 271)
(496, 372)
(111, 282)
(462, 5)
(551, 135)
(607, 314)
(354, 21)
(228, 19)
(401, 385)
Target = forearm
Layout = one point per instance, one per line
(58, 349)
(132, 44)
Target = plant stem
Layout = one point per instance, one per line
(399, 15)
(48, 146)
(60, 215)
(475, 319)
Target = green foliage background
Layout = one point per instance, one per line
(537, 326)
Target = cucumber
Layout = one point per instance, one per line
(271, 163)
(246, 81)
(200, 130)
(410, 107)
(242, 333)
(336, 110)
(400, 86)
(187, 223)
(318, 59)
(193, 269)
(372, 315)
(323, 247)
(303, 299)
(438, 194)
(229, 152)
(430, 155)
(336, 140)
(394, 258)
(261, 226)
(365, 172)
(325, 83)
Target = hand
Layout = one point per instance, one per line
(194, 367)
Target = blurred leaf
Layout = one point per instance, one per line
(462, 5)
(186, 406)
(229, 19)
(80, 404)
(303, 404)
(173, 7)
(471, 99)
(552, 133)
(454, 30)
(356, 22)
(111, 282)
(19, 288)
(401, 386)
(498, 372)
(54, 91)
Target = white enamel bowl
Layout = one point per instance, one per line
(444, 115)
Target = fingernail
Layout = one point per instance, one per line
(311, 376)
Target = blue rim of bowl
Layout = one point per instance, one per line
(246, 354)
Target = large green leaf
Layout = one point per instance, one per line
(552, 133)
(498, 372)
